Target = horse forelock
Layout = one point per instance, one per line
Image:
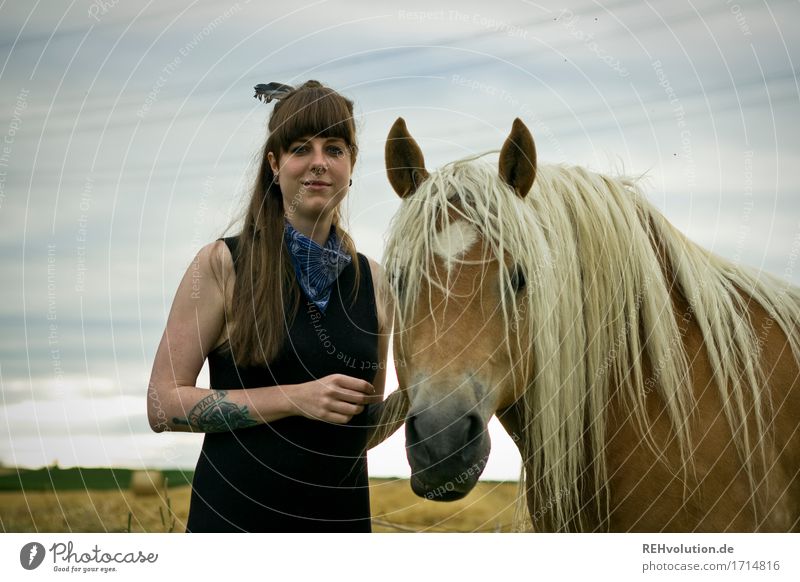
(457, 207)
(601, 265)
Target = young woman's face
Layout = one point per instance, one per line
(314, 175)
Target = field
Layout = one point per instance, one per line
(102, 500)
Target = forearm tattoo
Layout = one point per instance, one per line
(215, 413)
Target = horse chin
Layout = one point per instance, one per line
(447, 491)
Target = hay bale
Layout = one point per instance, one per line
(147, 482)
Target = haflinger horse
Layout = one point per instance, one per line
(648, 384)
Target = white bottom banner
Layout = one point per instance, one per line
(390, 557)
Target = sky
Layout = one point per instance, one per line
(129, 137)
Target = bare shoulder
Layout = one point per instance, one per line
(378, 277)
(208, 278)
(215, 262)
(382, 295)
(375, 269)
(219, 265)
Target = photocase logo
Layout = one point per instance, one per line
(31, 555)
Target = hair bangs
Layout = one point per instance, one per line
(313, 112)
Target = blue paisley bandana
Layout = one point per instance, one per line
(316, 267)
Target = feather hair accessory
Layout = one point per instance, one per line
(270, 91)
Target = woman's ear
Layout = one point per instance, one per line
(273, 162)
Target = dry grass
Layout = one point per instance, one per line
(394, 508)
(91, 511)
(490, 507)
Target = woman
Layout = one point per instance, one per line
(295, 335)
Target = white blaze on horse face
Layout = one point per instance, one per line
(454, 241)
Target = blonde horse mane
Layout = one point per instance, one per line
(602, 266)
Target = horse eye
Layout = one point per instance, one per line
(517, 279)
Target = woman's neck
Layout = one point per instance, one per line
(317, 229)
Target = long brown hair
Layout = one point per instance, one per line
(266, 295)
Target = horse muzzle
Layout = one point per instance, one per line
(447, 452)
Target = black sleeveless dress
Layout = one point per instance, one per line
(294, 474)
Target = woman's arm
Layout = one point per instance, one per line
(388, 415)
(195, 324)
(384, 325)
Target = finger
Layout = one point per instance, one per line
(346, 408)
(373, 398)
(357, 397)
(356, 384)
(351, 396)
(337, 418)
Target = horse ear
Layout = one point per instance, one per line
(405, 165)
(518, 159)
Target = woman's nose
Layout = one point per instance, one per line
(318, 160)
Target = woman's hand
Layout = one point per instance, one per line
(336, 398)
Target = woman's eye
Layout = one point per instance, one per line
(298, 149)
(336, 151)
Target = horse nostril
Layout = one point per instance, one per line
(474, 428)
(411, 429)
(467, 429)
